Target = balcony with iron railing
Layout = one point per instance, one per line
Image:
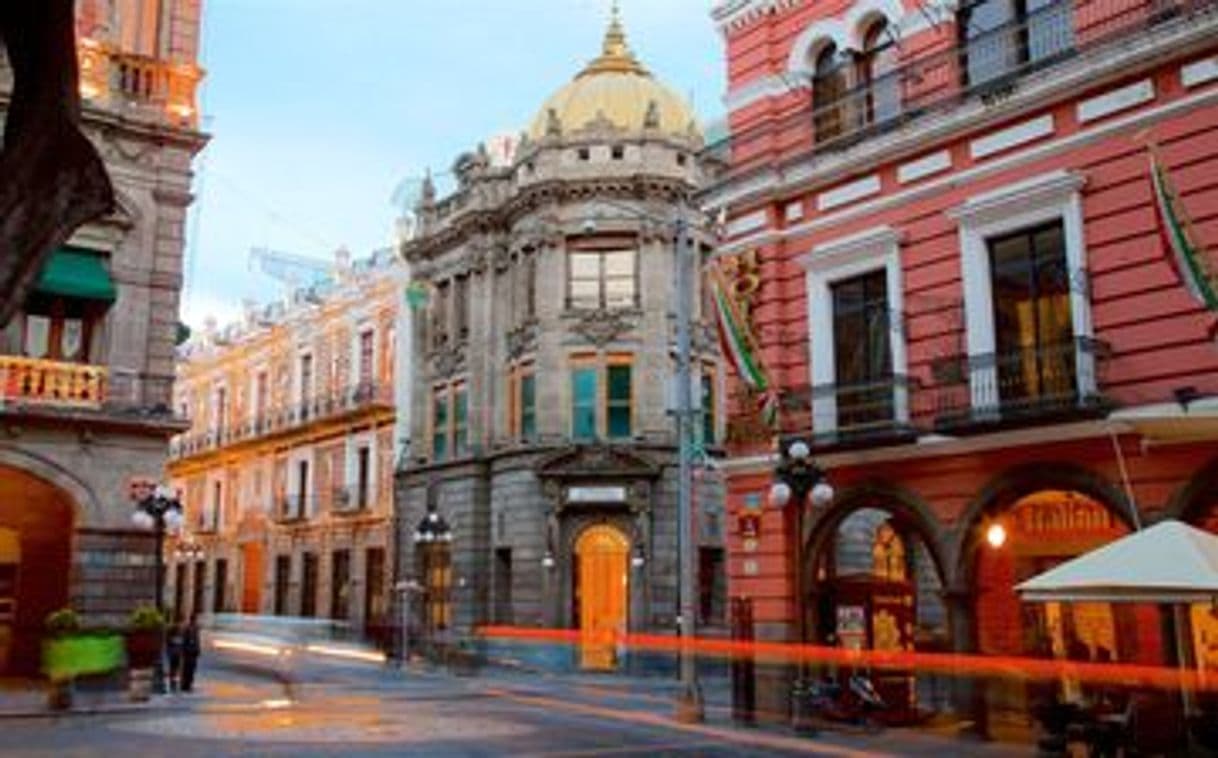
(1029, 384)
(42, 386)
(142, 84)
(989, 66)
(963, 394)
(38, 382)
(294, 508)
(356, 399)
(352, 501)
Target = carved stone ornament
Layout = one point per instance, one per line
(652, 118)
(521, 339)
(602, 327)
(597, 461)
(447, 362)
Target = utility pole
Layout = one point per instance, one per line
(689, 708)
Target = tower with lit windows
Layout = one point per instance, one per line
(543, 371)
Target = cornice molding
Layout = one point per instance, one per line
(734, 15)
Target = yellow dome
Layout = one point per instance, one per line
(616, 88)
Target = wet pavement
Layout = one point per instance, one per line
(352, 710)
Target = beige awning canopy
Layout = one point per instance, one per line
(1171, 422)
(1170, 562)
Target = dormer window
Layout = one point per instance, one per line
(617, 152)
(584, 154)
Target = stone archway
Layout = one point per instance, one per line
(1013, 484)
(88, 508)
(1197, 501)
(40, 517)
(1026, 521)
(875, 577)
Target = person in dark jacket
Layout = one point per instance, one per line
(173, 648)
(190, 652)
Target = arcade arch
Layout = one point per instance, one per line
(36, 527)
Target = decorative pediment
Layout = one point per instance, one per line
(601, 327)
(597, 462)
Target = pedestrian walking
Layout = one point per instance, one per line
(173, 648)
(190, 652)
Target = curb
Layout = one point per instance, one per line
(96, 710)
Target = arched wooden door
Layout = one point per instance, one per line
(251, 577)
(602, 553)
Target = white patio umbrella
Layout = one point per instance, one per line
(1170, 563)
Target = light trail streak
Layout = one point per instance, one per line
(953, 664)
(342, 652)
(250, 647)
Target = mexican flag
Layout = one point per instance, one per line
(740, 347)
(1197, 272)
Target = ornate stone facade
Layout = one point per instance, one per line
(85, 377)
(287, 469)
(496, 443)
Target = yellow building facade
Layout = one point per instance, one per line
(286, 473)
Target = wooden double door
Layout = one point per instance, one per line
(602, 592)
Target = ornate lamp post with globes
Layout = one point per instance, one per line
(159, 508)
(796, 477)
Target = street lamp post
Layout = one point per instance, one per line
(689, 708)
(689, 705)
(432, 538)
(795, 478)
(157, 507)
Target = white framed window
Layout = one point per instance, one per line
(1049, 199)
(260, 394)
(873, 255)
(364, 358)
(302, 499)
(361, 470)
(219, 416)
(306, 380)
(213, 511)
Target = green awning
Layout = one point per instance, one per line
(72, 272)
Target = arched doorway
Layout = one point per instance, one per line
(601, 593)
(1030, 532)
(878, 585)
(36, 521)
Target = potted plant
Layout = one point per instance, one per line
(57, 656)
(144, 631)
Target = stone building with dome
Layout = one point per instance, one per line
(544, 354)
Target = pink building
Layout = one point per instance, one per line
(992, 326)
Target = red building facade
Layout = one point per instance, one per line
(963, 286)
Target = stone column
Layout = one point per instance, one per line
(968, 693)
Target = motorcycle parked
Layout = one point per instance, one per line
(857, 703)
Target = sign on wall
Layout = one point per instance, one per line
(599, 494)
